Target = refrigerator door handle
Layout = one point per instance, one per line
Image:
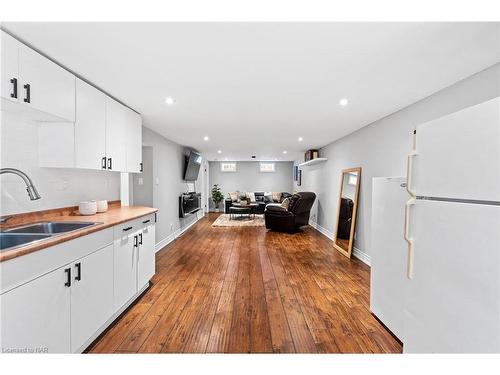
(409, 264)
(409, 173)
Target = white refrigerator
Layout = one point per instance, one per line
(388, 252)
(452, 300)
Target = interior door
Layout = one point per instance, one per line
(90, 127)
(116, 125)
(458, 155)
(91, 295)
(10, 85)
(146, 256)
(452, 302)
(125, 268)
(49, 88)
(36, 316)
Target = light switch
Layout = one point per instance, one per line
(157, 181)
(140, 181)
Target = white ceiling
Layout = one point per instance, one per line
(254, 88)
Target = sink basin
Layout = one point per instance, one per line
(11, 240)
(50, 227)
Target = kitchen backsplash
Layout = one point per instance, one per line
(58, 187)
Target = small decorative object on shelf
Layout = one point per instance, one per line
(217, 197)
(311, 154)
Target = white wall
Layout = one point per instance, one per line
(381, 149)
(168, 184)
(58, 187)
(249, 178)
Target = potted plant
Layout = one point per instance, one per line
(217, 197)
(243, 200)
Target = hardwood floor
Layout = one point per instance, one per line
(246, 290)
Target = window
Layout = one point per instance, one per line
(228, 167)
(353, 179)
(267, 167)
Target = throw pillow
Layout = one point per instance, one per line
(251, 196)
(285, 203)
(268, 197)
(234, 196)
(277, 196)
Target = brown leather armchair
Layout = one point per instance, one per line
(280, 219)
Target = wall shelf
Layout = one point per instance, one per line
(312, 162)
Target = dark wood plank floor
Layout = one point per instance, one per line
(246, 290)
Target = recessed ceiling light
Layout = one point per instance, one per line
(169, 100)
(343, 102)
(205, 138)
(219, 151)
(226, 159)
(285, 151)
(301, 139)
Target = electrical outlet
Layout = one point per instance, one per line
(140, 181)
(171, 227)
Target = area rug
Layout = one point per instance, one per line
(223, 221)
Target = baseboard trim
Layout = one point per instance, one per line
(162, 243)
(361, 255)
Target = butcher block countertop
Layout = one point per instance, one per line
(115, 215)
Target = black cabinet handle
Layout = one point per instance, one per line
(155, 217)
(142, 167)
(14, 88)
(127, 228)
(146, 221)
(135, 241)
(27, 99)
(103, 163)
(140, 238)
(68, 279)
(110, 163)
(78, 267)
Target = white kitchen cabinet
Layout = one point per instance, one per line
(10, 65)
(45, 86)
(91, 295)
(133, 141)
(116, 125)
(90, 127)
(146, 253)
(125, 263)
(36, 316)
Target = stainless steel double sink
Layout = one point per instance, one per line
(30, 233)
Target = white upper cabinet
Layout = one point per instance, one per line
(45, 86)
(134, 142)
(90, 127)
(116, 125)
(10, 64)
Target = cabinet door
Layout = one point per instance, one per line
(10, 85)
(36, 315)
(116, 125)
(91, 295)
(134, 141)
(125, 268)
(90, 127)
(51, 88)
(146, 256)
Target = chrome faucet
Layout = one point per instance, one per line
(30, 188)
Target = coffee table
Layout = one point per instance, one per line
(241, 210)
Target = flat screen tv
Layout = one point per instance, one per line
(193, 162)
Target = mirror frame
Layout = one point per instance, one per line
(347, 252)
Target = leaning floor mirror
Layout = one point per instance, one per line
(346, 210)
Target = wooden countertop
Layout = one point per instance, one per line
(115, 215)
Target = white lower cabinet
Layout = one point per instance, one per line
(146, 253)
(125, 264)
(66, 307)
(91, 295)
(36, 316)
